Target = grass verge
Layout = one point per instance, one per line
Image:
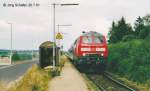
(2, 86)
(35, 79)
(137, 86)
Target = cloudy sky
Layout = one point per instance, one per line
(34, 25)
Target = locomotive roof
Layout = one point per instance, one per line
(92, 33)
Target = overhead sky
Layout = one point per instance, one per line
(34, 25)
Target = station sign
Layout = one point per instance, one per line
(59, 36)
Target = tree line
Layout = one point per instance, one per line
(123, 31)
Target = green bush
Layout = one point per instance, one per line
(4, 54)
(144, 32)
(131, 59)
(18, 57)
(129, 37)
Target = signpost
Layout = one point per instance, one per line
(59, 36)
(54, 7)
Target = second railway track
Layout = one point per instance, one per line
(106, 83)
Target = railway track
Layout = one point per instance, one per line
(106, 83)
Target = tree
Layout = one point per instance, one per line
(119, 30)
(138, 25)
(15, 56)
(111, 34)
(144, 32)
(146, 20)
(123, 28)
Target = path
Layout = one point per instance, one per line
(70, 80)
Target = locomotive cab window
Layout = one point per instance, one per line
(98, 39)
(87, 39)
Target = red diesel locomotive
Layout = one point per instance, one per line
(90, 49)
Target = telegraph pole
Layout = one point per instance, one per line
(54, 34)
(11, 48)
(54, 31)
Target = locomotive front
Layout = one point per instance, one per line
(91, 48)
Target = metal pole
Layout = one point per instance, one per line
(54, 55)
(54, 36)
(58, 46)
(11, 48)
(32, 54)
(11, 45)
(59, 40)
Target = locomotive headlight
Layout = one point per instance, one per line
(84, 54)
(100, 49)
(102, 54)
(85, 49)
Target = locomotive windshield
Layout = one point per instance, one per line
(87, 39)
(98, 39)
(94, 39)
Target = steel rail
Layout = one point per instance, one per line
(98, 85)
(106, 74)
